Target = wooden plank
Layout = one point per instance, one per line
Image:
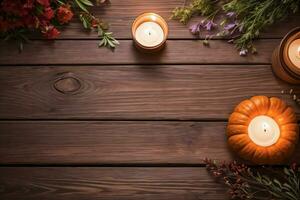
(111, 142)
(114, 142)
(176, 52)
(179, 92)
(121, 13)
(109, 183)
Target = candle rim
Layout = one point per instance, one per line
(288, 48)
(165, 30)
(289, 67)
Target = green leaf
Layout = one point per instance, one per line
(111, 44)
(86, 2)
(291, 195)
(81, 6)
(85, 25)
(60, 2)
(101, 43)
(286, 171)
(278, 183)
(275, 194)
(116, 42)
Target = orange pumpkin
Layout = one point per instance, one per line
(244, 145)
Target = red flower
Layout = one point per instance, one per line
(30, 21)
(44, 3)
(51, 32)
(64, 14)
(11, 7)
(4, 25)
(28, 4)
(95, 23)
(49, 13)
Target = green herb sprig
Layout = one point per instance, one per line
(244, 20)
(254, 16)
(197, 7)
(89, 21)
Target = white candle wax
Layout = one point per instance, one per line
(294, 52)
(149, 34)
(263, 131)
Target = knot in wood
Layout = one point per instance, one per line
(67, 85)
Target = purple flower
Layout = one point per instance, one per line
(243, 52)
(230, 14)
(195, 28)
(229, 26)
(209, 25)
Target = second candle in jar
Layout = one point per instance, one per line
(149, 32)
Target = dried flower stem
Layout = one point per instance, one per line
(245, 182)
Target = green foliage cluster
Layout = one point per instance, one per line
(197, 7)
(89, 21)
(247, 18)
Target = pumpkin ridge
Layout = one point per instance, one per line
(257, 108)
(286, 117)
(276, 107)
(295, 141)
(289, 150)
(261, 157)
(282, 138)
(242, 139)
(292, 125)
(250, 154)
(238, 118)
(243, 114)
(282, 114)
(286, 107)
(246, 107)
(239, 129)
(276, 159)
(289, 123)
(276, 120)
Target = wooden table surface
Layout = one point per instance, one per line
(84, 123)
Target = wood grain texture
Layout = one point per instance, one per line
(124, 108)
(111, 142)
(84, 142)
(176, 52)
(109, 183)
(121, 13)
(167, 92)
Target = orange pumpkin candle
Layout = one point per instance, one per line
(263, 130)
